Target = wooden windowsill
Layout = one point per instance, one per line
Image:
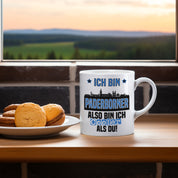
(155, 140)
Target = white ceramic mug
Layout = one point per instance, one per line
(107, 102)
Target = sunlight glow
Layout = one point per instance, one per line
(131, 15)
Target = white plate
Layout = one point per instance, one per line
(34, 132)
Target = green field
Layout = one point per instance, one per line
(29, 46)
(40, 50)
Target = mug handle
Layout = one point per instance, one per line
(153, 98)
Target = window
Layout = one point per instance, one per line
(89, 29)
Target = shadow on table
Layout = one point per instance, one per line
(57, 138)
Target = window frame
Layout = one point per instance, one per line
(176, 30)
(117, 60)
(1, 32)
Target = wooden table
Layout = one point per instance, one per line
(155, 140)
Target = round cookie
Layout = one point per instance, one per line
(55, 114)
(30, 115)
(11, 107)
(10, 113)
(7, 121)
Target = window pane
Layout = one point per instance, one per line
(89, 29)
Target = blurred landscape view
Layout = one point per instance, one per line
(92, 29)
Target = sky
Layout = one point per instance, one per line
(128, 15)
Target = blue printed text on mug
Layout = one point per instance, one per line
(103, 82)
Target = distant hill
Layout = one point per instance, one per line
(87, 33)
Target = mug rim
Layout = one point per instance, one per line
(106, 71)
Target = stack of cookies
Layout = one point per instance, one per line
(8, 117)
(32, 115)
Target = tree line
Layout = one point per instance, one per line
(133, 48)
(20, 39)
(50, 55)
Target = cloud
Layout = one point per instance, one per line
(138, 3)
(167, 4)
